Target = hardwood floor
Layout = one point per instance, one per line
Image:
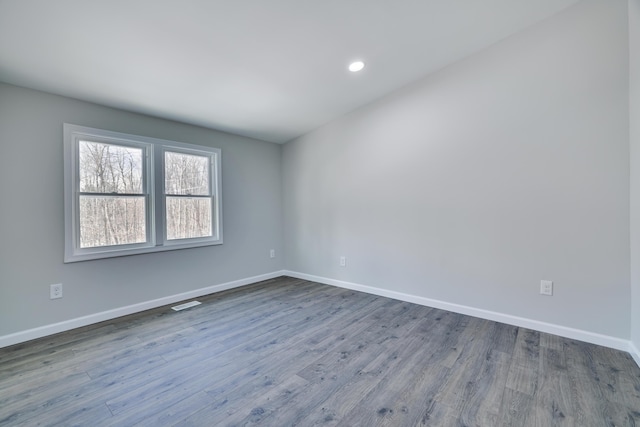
(291, 352)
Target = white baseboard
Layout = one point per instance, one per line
(635, 353)
(563, 331)
(78, 322)
(581, 335)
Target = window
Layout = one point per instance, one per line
(127, 194)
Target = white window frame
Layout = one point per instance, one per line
(153, 150)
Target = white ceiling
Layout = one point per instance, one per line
(268, 69)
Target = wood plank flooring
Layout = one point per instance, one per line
(290, 352)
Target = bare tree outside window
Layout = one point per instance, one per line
(188, 195)
(112, 207)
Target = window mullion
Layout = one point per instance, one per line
(159, 202)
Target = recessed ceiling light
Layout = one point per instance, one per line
(356, 66)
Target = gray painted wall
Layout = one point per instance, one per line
(31, 216)
(475, 183)
(634, 98)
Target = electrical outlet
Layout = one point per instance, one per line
(546, 287)
(343, 261)
(55, 291)
(272, 253)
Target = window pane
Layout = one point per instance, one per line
(108, 221)
(188, 217)
(186, 174)
(109, 168)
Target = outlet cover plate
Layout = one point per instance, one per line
(546, 287)
(55, 291)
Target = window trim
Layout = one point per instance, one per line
(153, 174)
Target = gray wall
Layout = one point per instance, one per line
(634, 74)
(475, 183)
(31, 216)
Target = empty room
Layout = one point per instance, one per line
(336, 213)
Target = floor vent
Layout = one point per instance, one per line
(185, 305)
